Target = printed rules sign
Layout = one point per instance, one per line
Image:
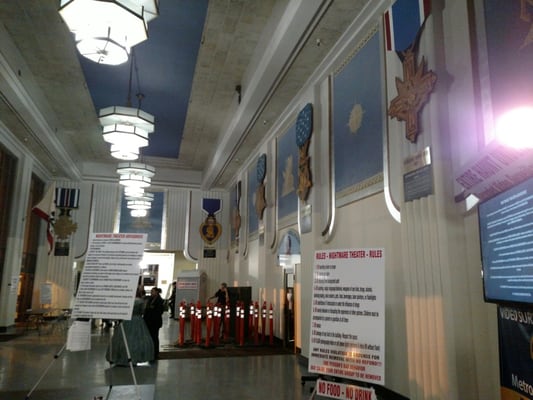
(348, 314)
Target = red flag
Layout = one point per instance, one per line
(45, 209)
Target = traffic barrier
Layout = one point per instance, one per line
(263, 321)
(217, 318)
(198, 328)
(271, 324)
(227, 321)
(182, 312)
(218, 323)
(251, 321)
(238, 322)
(209, 323)
(192, 321)
(241, 327)
(256, 323)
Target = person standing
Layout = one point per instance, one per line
(222, 295)
(172, 300)
(140, 344)
(153, 317)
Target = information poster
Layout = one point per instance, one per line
(110, 276)
(515, 326)
(348, 315)
(46, 293)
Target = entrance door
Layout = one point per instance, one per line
(289, 309)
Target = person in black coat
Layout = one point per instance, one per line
(153, 317)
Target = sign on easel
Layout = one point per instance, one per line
(110, 276)
(348, 315)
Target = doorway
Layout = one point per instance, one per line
(289, 259)
(288, 309)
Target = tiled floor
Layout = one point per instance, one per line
(24, 359)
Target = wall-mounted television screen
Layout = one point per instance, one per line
(506, 234)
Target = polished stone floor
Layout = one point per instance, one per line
(23, 361)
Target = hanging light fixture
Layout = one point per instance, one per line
(139, 213)
(135, 174)
(138, 201)
(106, 30)
(143, 202)
(131, 191)
(126, 128)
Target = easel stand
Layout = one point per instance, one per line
(130, 362)
(56, 356)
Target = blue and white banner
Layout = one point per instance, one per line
(402, 22)
(211, 206)
(67, 198)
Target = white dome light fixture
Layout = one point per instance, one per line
(135, 174)
(126, 128)
(138, 201)
(139, 205)
(106, 30)
(138, 213)
(124, 152)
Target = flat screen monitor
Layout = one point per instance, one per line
(506, 234)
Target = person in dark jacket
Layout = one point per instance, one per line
(153, 317)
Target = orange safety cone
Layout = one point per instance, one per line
(242, 325)
(238, 322)
(227, 321)
(256, 323)
(209, 322)
(181, 339)
(192, 320)
(198, 322)
(263, 321)
(251, 321)
(271, 324)
(217, 313)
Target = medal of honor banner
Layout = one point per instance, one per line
(348, 315)
(110, 276)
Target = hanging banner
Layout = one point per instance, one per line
(348, 315)
(110, 276)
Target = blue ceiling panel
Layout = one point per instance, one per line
(163, 71)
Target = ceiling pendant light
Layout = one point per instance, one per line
(124, 152)
(126, 128)
(138, 201)
(135, 174)
(131, 191)
(141, 202)
(139, 205)
(106, 30)
(138, 213)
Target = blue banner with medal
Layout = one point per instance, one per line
(210, 229)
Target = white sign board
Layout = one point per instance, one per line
(79, 336)
(338, 390)
(46, 293)
(348, 315)
(110, 276)
(14, 284)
